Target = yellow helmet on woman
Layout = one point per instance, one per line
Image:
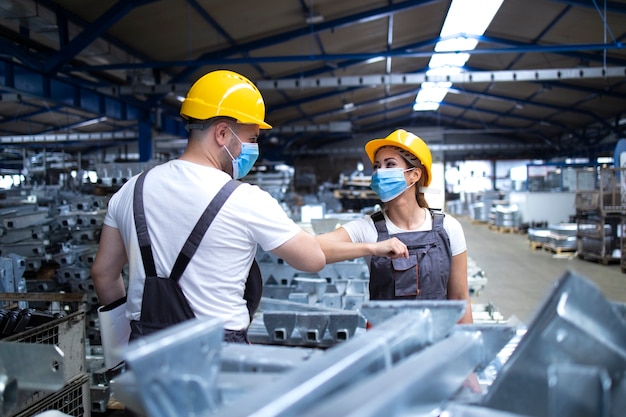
(409, 142)
(225, 93)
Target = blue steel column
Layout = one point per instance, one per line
(145, 139)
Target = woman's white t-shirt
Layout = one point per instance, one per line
(363, 230)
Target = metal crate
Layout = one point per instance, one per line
(73, 399)
(587, 200)
(67, 333)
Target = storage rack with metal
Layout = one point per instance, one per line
(601, 215)
(67, 333)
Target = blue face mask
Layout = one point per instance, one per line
(389, 183)
(246, 159)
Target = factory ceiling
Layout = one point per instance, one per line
(547, 79)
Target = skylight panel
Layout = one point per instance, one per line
(466, 20)
(471, 17)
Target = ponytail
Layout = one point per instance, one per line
(419, 195)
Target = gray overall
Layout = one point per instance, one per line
(163, 302)
(424, 275)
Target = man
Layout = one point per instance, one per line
(224, 112)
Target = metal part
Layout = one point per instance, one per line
(287, 322)
(463, 410)
(27, 367)
(19, 218)
(414, 360)
(577, 326)
(34, 366)
(177, 367)
(361, 358)
(445, 365)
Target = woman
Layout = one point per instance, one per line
(416, 253)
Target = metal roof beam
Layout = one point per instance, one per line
(568, 52)
(68, 137)
(357, 57)
(466, 77)
(93, 31)
(304, 31)
(435, 147)
(391, 79)
(611, 6)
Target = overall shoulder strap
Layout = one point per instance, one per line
(379, 222)
(196, 235)
(437, 216)
(142, 228)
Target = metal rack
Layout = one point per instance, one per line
(601, 215)
(67, 334)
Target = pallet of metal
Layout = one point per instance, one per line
(558, 250)
(67, 333)
(503, 229)
(513, 230)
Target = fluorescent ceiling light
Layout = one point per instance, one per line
(375, 59)
(90, 122)
(444, 70)
(456, 44)
(470, 17)
(449, 61)
(425, 106)
(466, 20)
(430, 95)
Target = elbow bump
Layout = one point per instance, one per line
(317, 263)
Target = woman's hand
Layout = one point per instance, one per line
(392, 248)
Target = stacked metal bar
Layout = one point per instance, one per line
(414, 360)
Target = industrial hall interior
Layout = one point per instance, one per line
(459, 165)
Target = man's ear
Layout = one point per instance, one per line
(220, 133)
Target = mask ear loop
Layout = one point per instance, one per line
(410, 169)
(230, 154)
(235, 135)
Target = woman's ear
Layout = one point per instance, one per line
(417, 173)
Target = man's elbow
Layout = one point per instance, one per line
(319, 261)
(314, 261)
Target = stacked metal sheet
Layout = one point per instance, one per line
(556, 236)
(538, 235)
(563, 235)
(507, 215)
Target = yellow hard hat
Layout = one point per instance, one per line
(407, 141)
(225, 93)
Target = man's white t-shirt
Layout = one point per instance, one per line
(176, 194)
(363, 230)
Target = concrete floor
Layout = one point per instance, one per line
(520, 278)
